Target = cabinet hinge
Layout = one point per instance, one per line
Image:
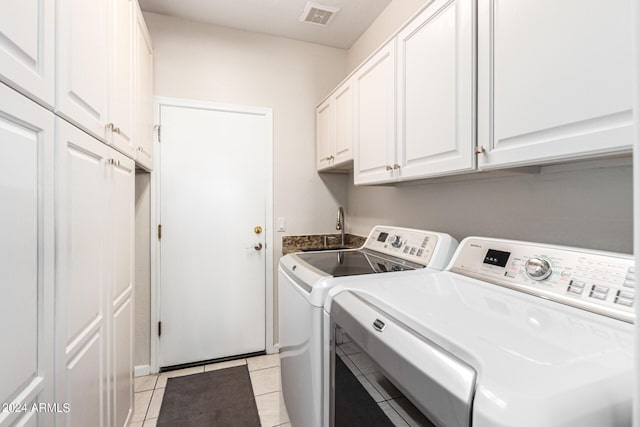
(159, 328)
(157, 128)
(159, 231)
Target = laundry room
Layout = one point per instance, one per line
(319, 213)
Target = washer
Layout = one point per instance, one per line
(305, 279)
(510, 334)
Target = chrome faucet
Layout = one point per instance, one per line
(340, 225)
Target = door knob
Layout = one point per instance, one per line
(257, 246)
(257, 229)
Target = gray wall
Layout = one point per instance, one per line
(584, 204)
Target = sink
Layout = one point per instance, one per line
(340, 248)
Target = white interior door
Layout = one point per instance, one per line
(213, 186)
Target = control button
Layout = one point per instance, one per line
(629, 284)
(511, 274)
(625, 294)
(574, 290)
(577, 284)
(413, 251)
(627, 302)
(396, 241)
(406, 249)
(631, 276)
(631, 270)
(538, 268)
(566, 274)
(599, 292)
(420, 252)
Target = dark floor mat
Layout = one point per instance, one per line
(354, 406)
(218, 398)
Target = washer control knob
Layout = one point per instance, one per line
(396, 241)
(538, 268)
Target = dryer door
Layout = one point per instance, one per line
(383, 373)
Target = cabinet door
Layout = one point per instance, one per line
(436, 91)
(121, 76)
(143, 137)
(343, 100)
(554, 80)
(26, 263)
(121, 181)
(26, 56)
(81, 73)
(325, 133)
(375, 130)
(81, 277)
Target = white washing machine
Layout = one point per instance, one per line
(510, 334)
(305, 279)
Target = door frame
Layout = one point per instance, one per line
(158, 102)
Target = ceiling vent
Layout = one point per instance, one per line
(318, 14)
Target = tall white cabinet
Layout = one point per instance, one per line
(554, 80)
(94, 271)
(26, 258)
(69, 127)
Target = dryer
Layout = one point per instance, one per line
(510, 334)
(303, 283)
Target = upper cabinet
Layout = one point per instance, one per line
(554, 80)
(81, 64)
(143, 90)
(120, 123)
(27, 57)
(334, 131)
(374, 118)
(96, 77)
(436, 91)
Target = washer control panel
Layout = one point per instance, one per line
(412, 245)
(600, 282)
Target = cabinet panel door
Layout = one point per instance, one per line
(343, 100)
(81, 73)
(81, 276)
(26, 263)
(436, 85)
(554, 80)
(325, 133)
(143, 137)
(375, 130)
(122, 344)
(121, 75)
(27, 37)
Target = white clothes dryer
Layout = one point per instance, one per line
(510, 334)
(303, 282)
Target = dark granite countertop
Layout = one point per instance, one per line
(308, 242)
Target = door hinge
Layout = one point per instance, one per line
(159, 328)
(157, 128)
(159, 231)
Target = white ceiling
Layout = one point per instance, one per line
(277, 17)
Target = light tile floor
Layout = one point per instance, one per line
(265, 380)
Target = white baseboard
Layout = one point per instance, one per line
(141, 370)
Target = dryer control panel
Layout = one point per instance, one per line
(419, 246)
(600, 282)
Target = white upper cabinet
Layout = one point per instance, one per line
(143, 89)
(325, 133)
(374, 118)
(334, 132)
(436, 91)
(554, 80)
(27, 56)
(81, 64)
(120, 123)
(343, 99)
